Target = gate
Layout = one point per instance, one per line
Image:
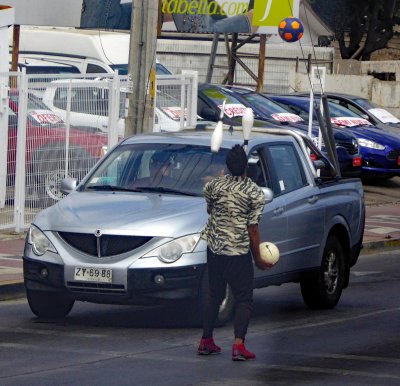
(54, 127)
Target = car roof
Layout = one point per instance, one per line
(203, 137)
(289, 97)
(329, 93)
(228, 88)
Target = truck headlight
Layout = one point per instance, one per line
(370, 144)
(174, 249)
(40, 243)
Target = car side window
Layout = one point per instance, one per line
(60, 98)
(256, 169)
(95, 69)
(289, 175)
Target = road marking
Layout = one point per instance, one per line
(318, 324)
(6, 270)
(382, 230)
(366, 358)
(381, 217)
(33, 331)
(365, 273)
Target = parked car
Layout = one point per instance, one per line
(121, 237)
(89, 105)
(378, 116)
(266, 110)
(380, 149)
(45, 156)
(212, 96)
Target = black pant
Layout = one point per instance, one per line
(238, 272)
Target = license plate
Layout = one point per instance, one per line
(100, 275)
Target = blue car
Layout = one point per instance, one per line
(378, 116)
(266, 111)
(380, 149)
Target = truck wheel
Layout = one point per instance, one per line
(325, 288)
(48, 169)
(49, 304)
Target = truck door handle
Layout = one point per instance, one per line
(313, 199)
(278, 211)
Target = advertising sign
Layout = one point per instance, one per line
(188, 16)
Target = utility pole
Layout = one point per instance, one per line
(141, 68)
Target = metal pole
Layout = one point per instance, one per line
(141, 68)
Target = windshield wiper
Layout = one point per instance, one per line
(112, 188)
(161, 189)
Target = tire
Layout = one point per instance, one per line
(324, 289)
(48, 169)
(49, 304)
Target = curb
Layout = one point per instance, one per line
(12, 291)
(12, 236)
(371, 246)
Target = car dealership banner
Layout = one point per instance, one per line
(189, 16)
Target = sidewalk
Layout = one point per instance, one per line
(382, 230)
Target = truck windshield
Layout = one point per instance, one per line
(162, 168)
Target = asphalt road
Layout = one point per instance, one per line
(357, 343)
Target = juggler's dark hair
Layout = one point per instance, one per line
(236, 160)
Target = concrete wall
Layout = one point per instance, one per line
(355, 67)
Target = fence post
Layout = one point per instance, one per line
(4, 88)
(67, 127)
(192, 96)
(113, 109)
(20, 172)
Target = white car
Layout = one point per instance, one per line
(89, 106)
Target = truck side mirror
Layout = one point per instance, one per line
(268, 194)
(68, 185)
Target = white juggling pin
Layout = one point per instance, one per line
(216, 138)
(247, 124)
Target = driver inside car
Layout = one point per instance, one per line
(159, 172)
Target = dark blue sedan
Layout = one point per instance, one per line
(379, 148)
(378, 116)
(266, 111)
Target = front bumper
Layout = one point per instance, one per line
(375, 163)
(178, 283)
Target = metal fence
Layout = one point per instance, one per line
(282, 61)
(54, 127)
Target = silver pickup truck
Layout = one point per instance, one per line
(129, 232)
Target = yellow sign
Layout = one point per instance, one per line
(227, 16)
(269, 13)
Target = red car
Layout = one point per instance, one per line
(46, 144)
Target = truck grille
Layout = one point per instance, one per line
(104, 245)
(350, 147)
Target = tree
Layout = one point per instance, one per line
(361, 26)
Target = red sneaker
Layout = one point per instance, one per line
(208, 347)
(240, 353)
